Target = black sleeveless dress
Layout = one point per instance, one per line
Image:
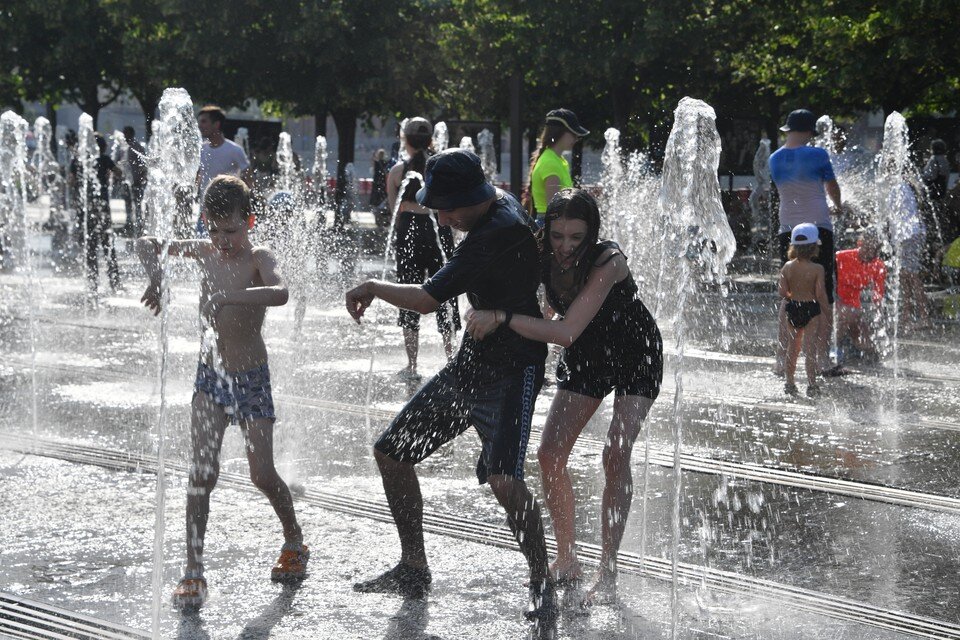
(419, 256)
(621, 350)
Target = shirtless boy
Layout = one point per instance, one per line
(233, 380)
(802, 287)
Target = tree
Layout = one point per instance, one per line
(351, 59)
(152, 52)
(856, 55)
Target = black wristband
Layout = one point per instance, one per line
(507, 316)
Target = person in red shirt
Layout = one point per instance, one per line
(861, 276)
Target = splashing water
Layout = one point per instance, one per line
(86, 160)
(14, 226)
(388, 254)
(441, 137)
(699, 246)
(629, 208)
(898, 186)
(466, 142)
(488, 155)
(287, 227)
(320, 172)
(175, 159)
(287, 178)
(760, 196)
(43, 160)
(242, 138)
(825, 138)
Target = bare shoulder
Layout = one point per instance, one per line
(263, 254)
(396, 172)
(609, 265)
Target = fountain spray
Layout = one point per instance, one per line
(13, 177)
(441, 137)
(700, 245)
(176, 144)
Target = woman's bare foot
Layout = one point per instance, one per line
(603, 590)
(566, 572)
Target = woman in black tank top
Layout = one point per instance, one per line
(611, 343)
(419, 254)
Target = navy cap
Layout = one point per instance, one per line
(568, 119)
(801, 120)
(453, 179)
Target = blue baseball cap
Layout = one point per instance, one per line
(453, 179)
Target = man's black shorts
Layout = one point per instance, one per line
(827, 257)
(497, 402)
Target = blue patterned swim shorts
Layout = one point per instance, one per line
(245, 395)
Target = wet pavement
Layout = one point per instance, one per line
(779, 493)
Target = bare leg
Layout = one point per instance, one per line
(207, 424)
(824, 333)
(264, 475)
(783, 339)
(810, 337)
(914, 301)
(411, 340)
(569, 414)
(523, 515)
(629, 412)
(402, 488)
(794, 338)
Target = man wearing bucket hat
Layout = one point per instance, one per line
(805, 179)
(490, 385)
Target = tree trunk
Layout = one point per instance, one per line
(320, 122)
(346, 123)
(52, 117)
(149, 102)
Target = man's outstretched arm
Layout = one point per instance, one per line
(404, 296)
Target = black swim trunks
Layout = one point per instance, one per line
(497, 401)
(800, 313)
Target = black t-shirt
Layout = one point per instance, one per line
(497, 266)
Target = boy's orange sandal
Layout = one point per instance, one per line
(190, 592)
(292, 564)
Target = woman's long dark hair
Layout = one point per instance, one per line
(423, 149)
(548, 137)
(572, 204)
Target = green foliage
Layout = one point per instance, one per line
(623, 62)
(846, 56)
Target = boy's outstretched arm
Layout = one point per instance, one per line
(148, 250)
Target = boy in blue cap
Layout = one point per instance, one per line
(490, 385)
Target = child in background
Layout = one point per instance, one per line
(802, 287)
(232, 384)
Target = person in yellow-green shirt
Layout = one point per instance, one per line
(549, 171)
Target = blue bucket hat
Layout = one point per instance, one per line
(453, 179)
